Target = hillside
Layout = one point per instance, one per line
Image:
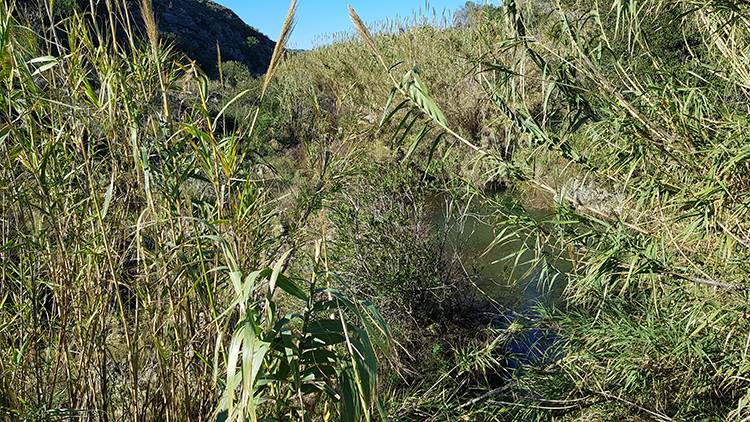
(195, 27)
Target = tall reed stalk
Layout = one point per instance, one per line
(130, 223)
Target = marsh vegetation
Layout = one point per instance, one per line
(532, 211)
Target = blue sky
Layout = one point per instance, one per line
(320, 17)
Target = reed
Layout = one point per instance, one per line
(162, 259)
(132, 224)
(630, 145)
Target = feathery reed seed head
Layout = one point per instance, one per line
(278, 51)
(152, 31)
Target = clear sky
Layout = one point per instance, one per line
(320, 17)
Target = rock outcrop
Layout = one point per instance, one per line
(197, 26)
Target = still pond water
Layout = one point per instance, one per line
(516, 286)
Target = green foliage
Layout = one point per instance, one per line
(238, 76)
(473, 13)
(319, 360)
(128, 206)
(388, 249)
(136, 194)
(237, 93)
(639, 125)
(341, 86)
(251, 41)
(644, 207)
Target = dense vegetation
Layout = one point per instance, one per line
(179, 247)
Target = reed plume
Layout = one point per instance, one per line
(278, 51)
(152, 32)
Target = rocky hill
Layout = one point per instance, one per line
(197, 26)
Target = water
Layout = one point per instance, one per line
(516, 287)
(519, 283)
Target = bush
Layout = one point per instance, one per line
(389, 250)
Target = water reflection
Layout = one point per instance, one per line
(506, 273)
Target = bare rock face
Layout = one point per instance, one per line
(197, 26)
